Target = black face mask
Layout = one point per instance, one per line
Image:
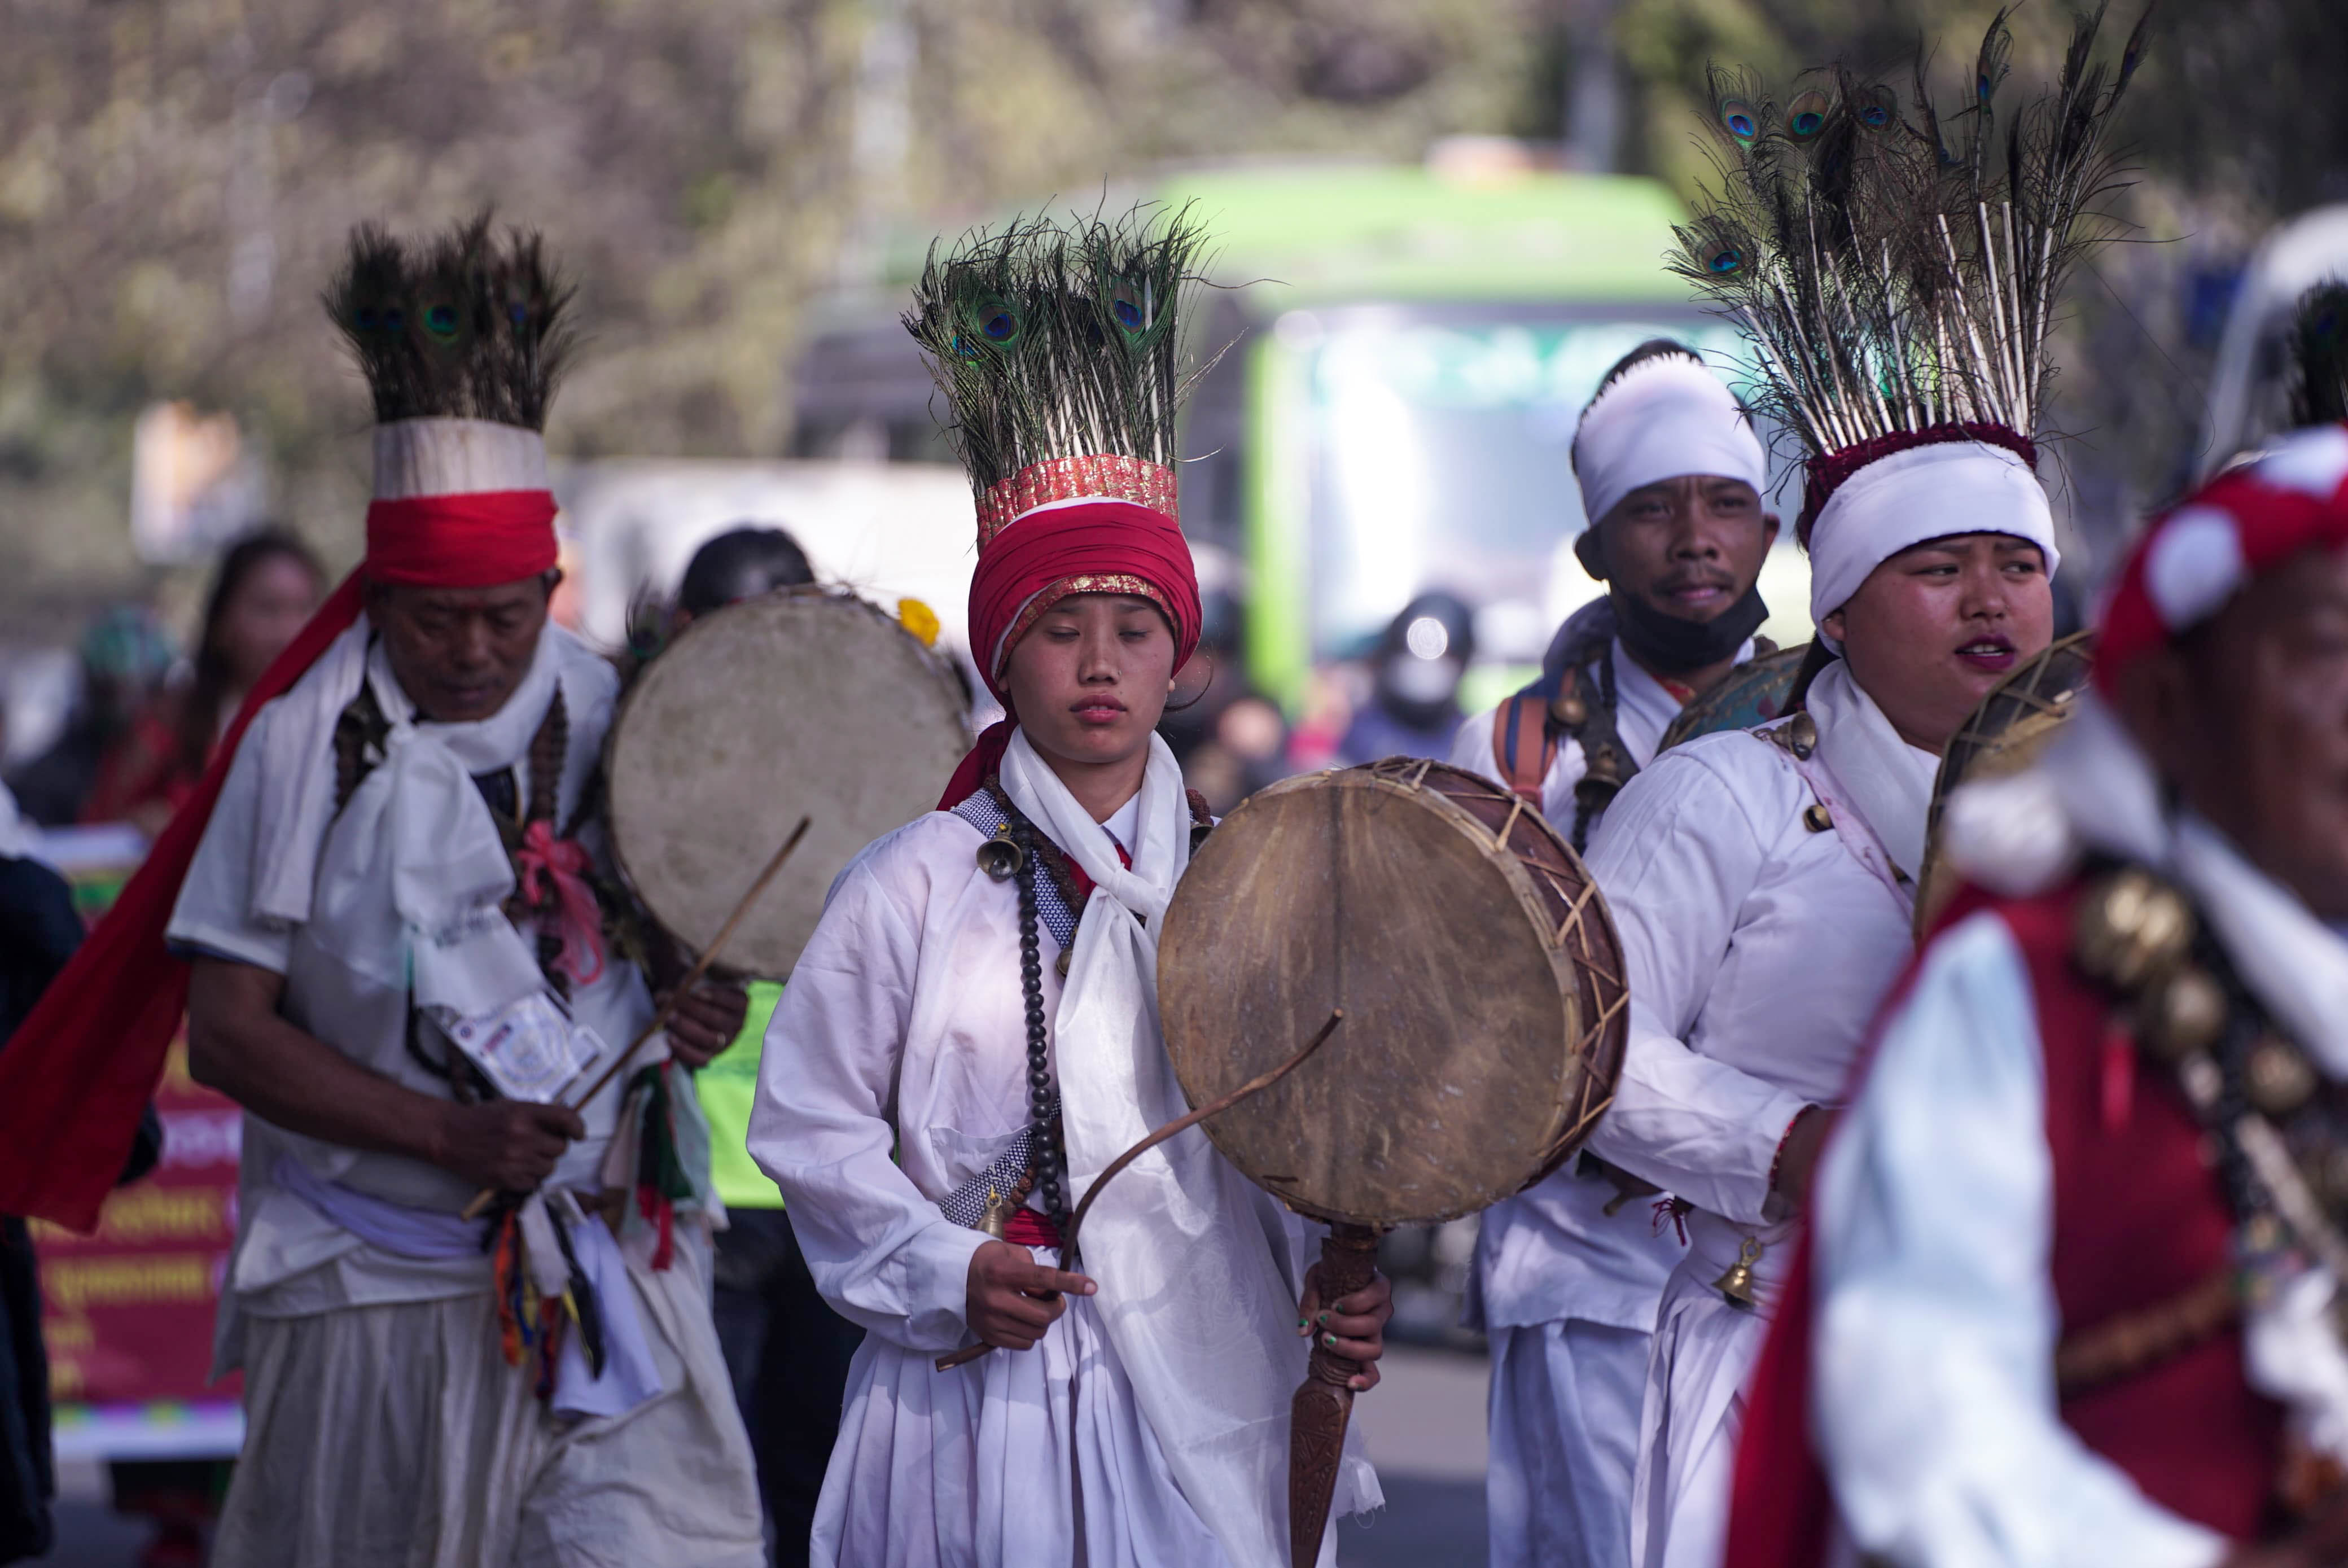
(1668, 644)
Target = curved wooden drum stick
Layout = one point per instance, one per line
(487, 1195)
(1257, 1085)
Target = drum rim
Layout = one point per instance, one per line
(1572, 1115)
(635, 690)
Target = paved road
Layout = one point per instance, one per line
(1424, 1428)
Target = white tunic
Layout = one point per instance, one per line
(1757, 948)
(1566, 1290)
(894, 1071)
(347, 982)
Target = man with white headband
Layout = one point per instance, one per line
(1569, 1274)
(1763, 883)
(388, 910)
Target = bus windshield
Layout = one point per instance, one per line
(1439, 460)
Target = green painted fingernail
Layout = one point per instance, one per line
(1324, 1320)
(1330, 1340)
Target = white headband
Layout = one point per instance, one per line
(1666, 418)
(1925, 493)
(433, 456)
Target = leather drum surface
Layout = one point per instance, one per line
(799, 703)
(1475, 962)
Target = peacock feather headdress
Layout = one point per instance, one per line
(2319, 356)
(1898, 267)
(465, 325)
(1059, 349)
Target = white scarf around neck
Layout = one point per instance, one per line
(1197, 1266)
(1888, 780)
(416, 824)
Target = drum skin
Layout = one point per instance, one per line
(799, 703)
(1476, 966)
(2006, 733)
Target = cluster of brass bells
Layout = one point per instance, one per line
(1001, 857)
(2131, 928)
(1735, 1283)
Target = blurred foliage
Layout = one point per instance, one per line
(176, 177)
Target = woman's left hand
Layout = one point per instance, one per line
(1354, 1327)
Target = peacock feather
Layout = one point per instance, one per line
(1890, 283)
(465, 325)
(1052, 339)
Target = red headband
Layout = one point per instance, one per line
(476, 541)
(2236, 527)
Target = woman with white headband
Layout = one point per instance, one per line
(1763, 883)
(1568, 1273)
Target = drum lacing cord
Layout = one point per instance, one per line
(1051, 1163)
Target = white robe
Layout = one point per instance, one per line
(1566, 1292)
(894, 1070)
(1757, 948)
(1933, 1348)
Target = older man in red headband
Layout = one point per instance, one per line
(2079, 1243)
(938, 1090)
(389, 900)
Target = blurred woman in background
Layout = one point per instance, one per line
(267, 586)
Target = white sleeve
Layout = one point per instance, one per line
(1676, 856)
(822, 1126)
(1933, 1358)
(1471, 748)
(213, 916)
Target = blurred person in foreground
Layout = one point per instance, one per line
(1416, 671)
(2073, 1296)
(125, 656)
(787, 1349)
(402, 956)
(2148, 964)
(267, 586)
(1569, 1274)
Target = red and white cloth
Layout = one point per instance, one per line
(2244, 522)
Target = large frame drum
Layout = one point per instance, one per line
(1477, 969)
(803, 703)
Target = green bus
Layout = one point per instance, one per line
(1406, 353)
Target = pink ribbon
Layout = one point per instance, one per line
(578, 918)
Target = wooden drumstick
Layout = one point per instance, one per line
(1257, 1085)
(660, 1014)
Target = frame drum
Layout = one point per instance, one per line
(2004, 735)
(1475, 964)
(798, 702)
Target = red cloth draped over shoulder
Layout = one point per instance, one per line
(77, 1072)
(1094, 546)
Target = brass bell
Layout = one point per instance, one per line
(1060, 964)
(2183, 1013)
(2131, 928)
(1568, 710)
(1816, 817)
(1735, 1283)
(994, 1220)
(2278, 1077)
(1000, 857)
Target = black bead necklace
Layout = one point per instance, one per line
(1050, 1163)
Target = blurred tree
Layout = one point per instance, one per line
(176, 177)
